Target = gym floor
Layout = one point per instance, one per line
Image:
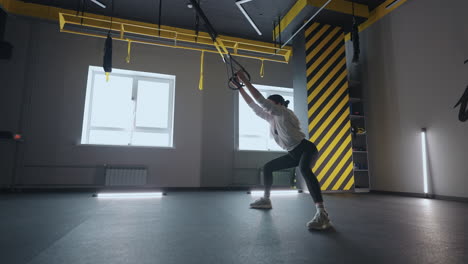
(218, 227)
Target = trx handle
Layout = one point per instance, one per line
(235, 66)
(234, 84)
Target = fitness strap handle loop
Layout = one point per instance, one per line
(235, 66)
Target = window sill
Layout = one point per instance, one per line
(263, 151)
(121, 146)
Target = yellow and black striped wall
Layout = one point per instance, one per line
(328, 106)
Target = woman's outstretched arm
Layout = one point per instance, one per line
(269, 106)
(253, 91)
(257, 109)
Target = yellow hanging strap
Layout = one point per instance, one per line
(200, 84)
(219, 50)
(127, 59)
(262, 70)
(107, 76)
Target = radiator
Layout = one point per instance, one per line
(125, 176)
(280, 178)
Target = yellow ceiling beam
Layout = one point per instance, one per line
(173, 46)
(341, 6)
(377, 14)
(65, 16)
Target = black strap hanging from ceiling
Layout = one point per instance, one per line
(107, 64)
(279, 30)
(355, 38)
(463, 102)
(208, 26)
(112, 17)
(78, 8)
(277, 36)
(230, 62)
(197, 24)
(274, 35)
(159, 18)
(107, 60)
(81, 7)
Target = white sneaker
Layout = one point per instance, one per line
(320, 221)
(262, 203)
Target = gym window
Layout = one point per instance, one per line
(131, 109)
(254, 132)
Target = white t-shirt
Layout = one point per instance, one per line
(284, 125)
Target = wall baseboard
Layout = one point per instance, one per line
(97, 188)
(406, 194)
(94, 188)
(422, 195)
(451, 198)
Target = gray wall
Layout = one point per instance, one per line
(50, 70)
(300, 89)
(413, 76)
(12, 84)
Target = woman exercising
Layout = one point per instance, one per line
(285, 129)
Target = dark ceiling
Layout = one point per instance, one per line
(224, 15)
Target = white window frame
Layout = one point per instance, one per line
(269, 90)
(136, 76)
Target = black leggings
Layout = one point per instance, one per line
(304, 155)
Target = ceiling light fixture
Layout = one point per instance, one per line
(98, 3)
(392, 4)
(239, 5)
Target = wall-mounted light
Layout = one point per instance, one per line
(424, 158)
(129, 195)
